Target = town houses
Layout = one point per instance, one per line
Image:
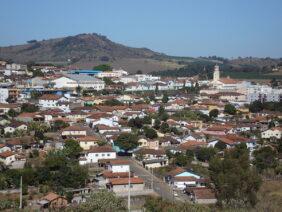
(139, 133)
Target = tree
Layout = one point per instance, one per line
(103, 201)
(108, 81)
(181, 159)
(205, 154)
(230, 109)
(165, 98)
(139, 72)
(113, 102)
(147, 120)
(137, 122)
(126, 141)
(103, 67)
(78, 90)
(213, 113)
(236, 182)
(59, 124)
(72, 149)
(157, 124)
(265, 158)
(164, 127)
(220, 146)
(256, 107)
(150, 133)
(29, 108)
(12, 113)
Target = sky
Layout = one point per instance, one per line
(227, 28)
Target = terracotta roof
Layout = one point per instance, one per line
(184, 179)
(105, 127)
(75, 128)
(101, 149)
(151, 151)
(2, 145)
(27, 115)
(124, 181)
(6, 154)
(176, 171)
(229, 81)
(109, 174)
(51, 196)
(203, 193)
(118, 162)
(50, 97)
(192, 145)
(2, 105)
(88, 138)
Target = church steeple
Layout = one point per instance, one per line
(216, 73)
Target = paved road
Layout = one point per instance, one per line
(160, 187)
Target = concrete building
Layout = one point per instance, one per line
(97, 153)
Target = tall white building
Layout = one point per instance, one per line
(216, 73)
(263, 94)
(4, 94)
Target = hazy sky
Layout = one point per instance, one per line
(227, 28)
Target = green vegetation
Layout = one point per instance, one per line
(236, 182)
(154, 204)
(265, 158)
(230, 109)
(29, 108)
(102, 201)
(213, 113)
(103, 67)
(258, 106)
(126, 141)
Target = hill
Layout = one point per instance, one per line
(86, 51)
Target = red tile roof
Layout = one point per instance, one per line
(101, 149)
(6, 154)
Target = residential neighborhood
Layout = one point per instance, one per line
(141, 106)
(155, 134)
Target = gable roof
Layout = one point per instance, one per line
(176, 171)
(101, 149)
(6, 154)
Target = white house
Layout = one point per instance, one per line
(74, 131)
(275, 132)
(88, 142)
(11, 128)
(97, 153)
(4, 148)
(4, 94)
(7, 157)
(50, 101)
(118, 165)
(121, 185)
(64, 82)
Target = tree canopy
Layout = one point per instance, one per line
(230, 109)
(127, 141)
(236, 182)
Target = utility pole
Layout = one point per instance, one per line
(152, 185)
(21, 193)
(128, 204)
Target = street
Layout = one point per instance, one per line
(160, 187)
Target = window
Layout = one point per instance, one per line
(108, 154)
(96, 155)
(103, 155)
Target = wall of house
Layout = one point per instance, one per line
(87, 144)
(124, 188)
(119, 168)
(94, 157)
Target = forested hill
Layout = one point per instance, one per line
(242, 68)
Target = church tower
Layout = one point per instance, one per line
(216, 73)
